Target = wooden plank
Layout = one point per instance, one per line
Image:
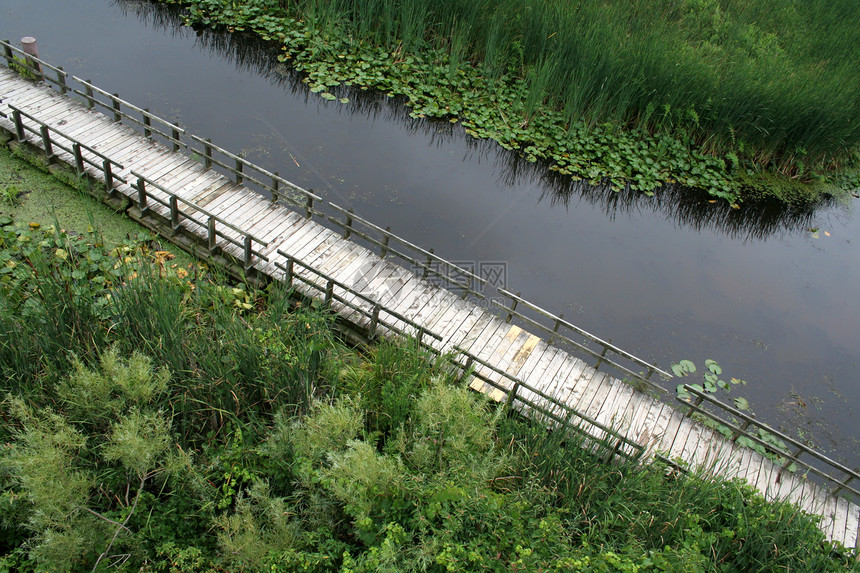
(852, 526)
(840, 519)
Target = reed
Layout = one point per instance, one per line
(776, 79)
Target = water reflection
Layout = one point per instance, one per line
(685, 206)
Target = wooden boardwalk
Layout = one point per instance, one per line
(274, 238)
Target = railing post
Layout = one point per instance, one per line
(510, 316)
(737, 433)
(46, 142)
(309, 207)
(174, 214)
(141, 196)
(239, 177)
(469, 362)
(31, 52)
(106, 167)
(249, 253)
(211, 235)
(79, 158)
(347, 230)
(7, 53)
(426, 270)
(329, 290)
(602, 356)
(374, 321)
(383, 251)
(91, 98)
(467, 288)
(117, 117)
(289, 272)
(276, 185)
(555, 327)
(512, 397)
(207, 154)
(420, 335)
(19, 126)
(61, 79)
(147, 123)
(174, 132)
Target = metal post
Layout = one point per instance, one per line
(91, 98)
(175, 134)
(248, 252)
(79, 158)
(347, 231)
(147, 123)
(46, 142)
(275, 187)
(211, 235)
(239, 177)
(117, 117)
(141, 195)
(19, 125)
(108, 176)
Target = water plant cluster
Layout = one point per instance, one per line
(731, 97)
(159, 418)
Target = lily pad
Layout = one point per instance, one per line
(742, 403)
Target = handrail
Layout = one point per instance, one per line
(76, 149)
(559, 322)
(115, 107)
(513, 395)
(774, 449)
(211, 224)
(376, 307)
(30, 60)
(239, 174)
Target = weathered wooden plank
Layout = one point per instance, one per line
(852, 526)
(840, 519)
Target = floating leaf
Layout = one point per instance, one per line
(711, 377)
(742, 403)
(713, 366)
(328, 96)
(827, 233)
(682, 392)
(710, 386)
(344, 100)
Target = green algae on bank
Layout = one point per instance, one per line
(31, 195)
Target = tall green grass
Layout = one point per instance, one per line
(773, 79)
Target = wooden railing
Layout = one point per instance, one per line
(123, 110)
(740, 426)
(558, 330)
(181, 211)
(362, 308)
(243, 172)
(67, 143)
(29, 65)
(551, 412)
(424, 263)
(527, 400)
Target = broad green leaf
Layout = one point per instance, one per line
(713, 366)
(742, 403)
(328, 96)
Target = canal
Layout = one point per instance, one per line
(770, 293)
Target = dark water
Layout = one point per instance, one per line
(665, 278)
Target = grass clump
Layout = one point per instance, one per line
(206, 426)
(705, 93)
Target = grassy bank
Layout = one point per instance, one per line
(160, 419)
(732, 97)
